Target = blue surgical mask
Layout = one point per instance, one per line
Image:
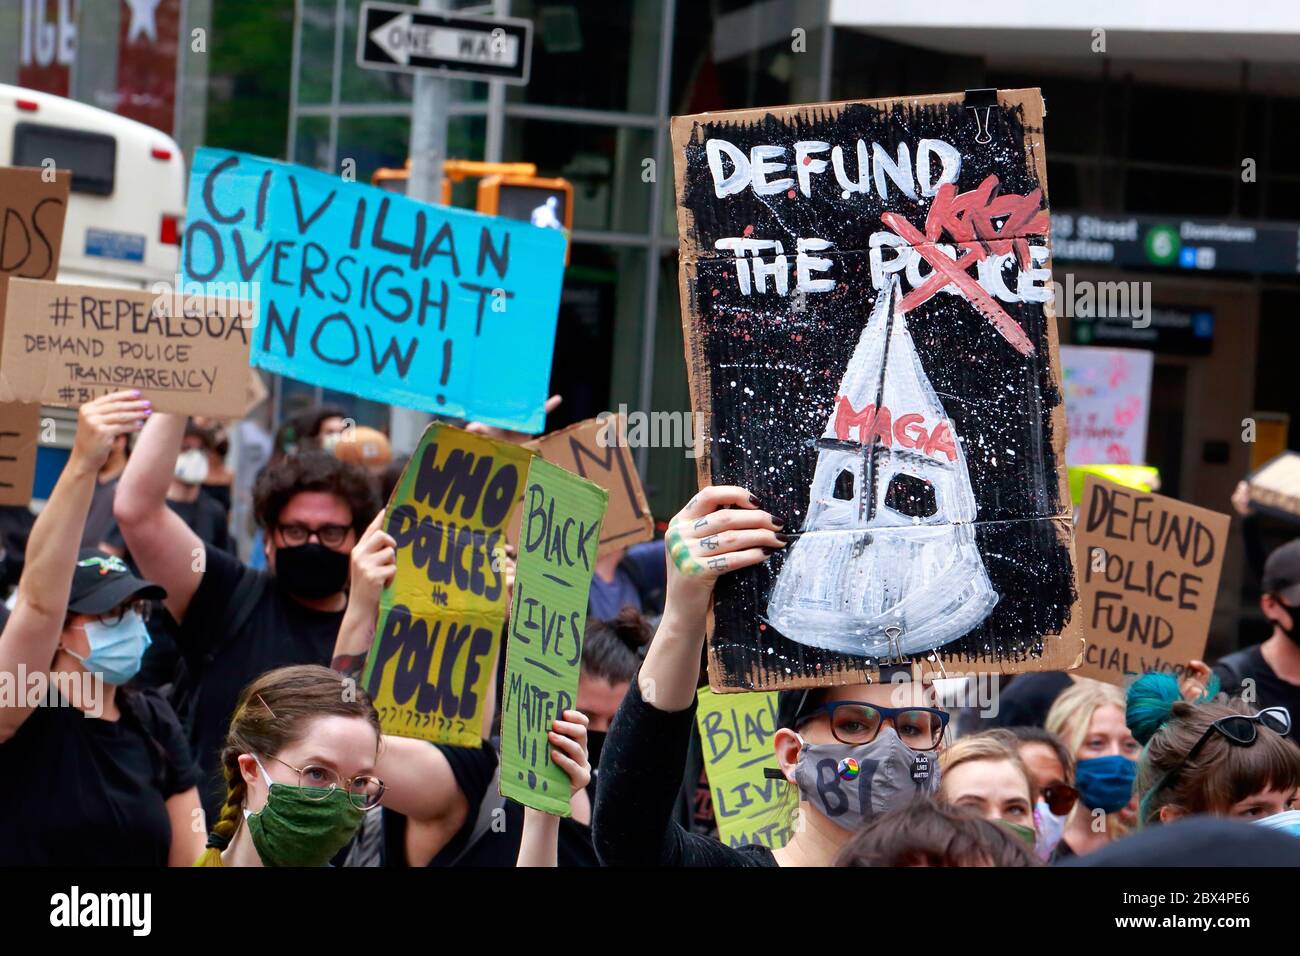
(1288, 821)
(1106, 783)
(116, 650)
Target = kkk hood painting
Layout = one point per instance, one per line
(886, 563)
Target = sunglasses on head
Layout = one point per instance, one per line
(1240, 730)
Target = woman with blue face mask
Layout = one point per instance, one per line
(1089, 717)
(107, 775)
(849, 752)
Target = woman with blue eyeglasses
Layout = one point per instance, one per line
(1225, 759)
(850, 752)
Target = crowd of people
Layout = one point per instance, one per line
(189, 707)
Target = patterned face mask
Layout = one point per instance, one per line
(888, 774)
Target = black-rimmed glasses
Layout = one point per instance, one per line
(856, 722)
(1238, 729)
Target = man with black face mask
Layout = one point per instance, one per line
(1271, 670)
(236, 623)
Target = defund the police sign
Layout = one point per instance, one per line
(409, 40)
(866, 302)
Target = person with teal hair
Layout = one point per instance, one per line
(1207, 756)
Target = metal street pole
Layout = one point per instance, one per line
(430, 106)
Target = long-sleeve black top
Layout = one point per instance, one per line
(641, 769)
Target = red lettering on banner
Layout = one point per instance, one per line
(878, 425)
(969, 218)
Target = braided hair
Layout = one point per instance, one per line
(272, 713)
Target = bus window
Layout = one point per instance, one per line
(92, 157)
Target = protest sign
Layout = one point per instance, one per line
(1107, 400)
(1141, 477)
(1275, 488)
(429, 671)
(557, 553)
(736, 732)
(255, 393)
(33, 203)
(377, 295)
(590, 450)
(844, 267)
(1149, 572)
(20, 426)
(66, 344)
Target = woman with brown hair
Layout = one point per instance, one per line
(1209, 757)
(983, 773)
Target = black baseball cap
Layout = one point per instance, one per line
(102, 581)
(1282, 573)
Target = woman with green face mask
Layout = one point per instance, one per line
(300, 764)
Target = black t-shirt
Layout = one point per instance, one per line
(279, 632)
(83, 791)
(475, 773)
(204, 516)
(1270, 690)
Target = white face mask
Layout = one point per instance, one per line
(192, 466)
(1050, 829)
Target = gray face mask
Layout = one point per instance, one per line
(889, 773)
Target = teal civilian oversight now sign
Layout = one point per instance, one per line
(558, 538)
(373, 294)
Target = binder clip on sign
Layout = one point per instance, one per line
(887, 563)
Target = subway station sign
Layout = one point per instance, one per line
(1190, 245)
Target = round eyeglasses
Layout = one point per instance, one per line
(857, 722)
(365, 791)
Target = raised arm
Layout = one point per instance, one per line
(721, 529)
(31, 637)
(161, 543)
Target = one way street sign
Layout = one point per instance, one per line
(410, 40)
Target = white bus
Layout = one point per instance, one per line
(125, 211)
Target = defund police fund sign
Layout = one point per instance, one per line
(409, 40)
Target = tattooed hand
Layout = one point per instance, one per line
(707, 538)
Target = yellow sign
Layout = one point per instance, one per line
(430, 668)
(736, 732)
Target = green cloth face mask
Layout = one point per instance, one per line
(1026, 834)
(298, 828)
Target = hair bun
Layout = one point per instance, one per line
(631, 628)
(1151, 701)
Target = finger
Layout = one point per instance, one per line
(571, 729)
(724, 563)
(567, 744)
(478, 428)
(729, 541)
(579, 775)
(117, 418)
(713, 497)
(576, 717)
(376, 523)
(382, 559)
(731, 519)
(125, 395)
(552, 404)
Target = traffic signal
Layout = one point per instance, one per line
(547, 203)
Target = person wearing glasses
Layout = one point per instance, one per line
(96, 773)
(1225, 759)
(850, 751)
(1051, 768)
(983, 773)
(234, 622)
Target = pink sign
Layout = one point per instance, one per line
(1107, 398)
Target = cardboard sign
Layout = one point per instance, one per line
(557, 555)
(67, 344)
(1107, 400)
(866, 307)
(431, 665)
(1276, 486)
(1149, 572)
(255, 393)
(33, 204)
(736, 732)
(590, 450)
(373, 294)
(20, 426)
